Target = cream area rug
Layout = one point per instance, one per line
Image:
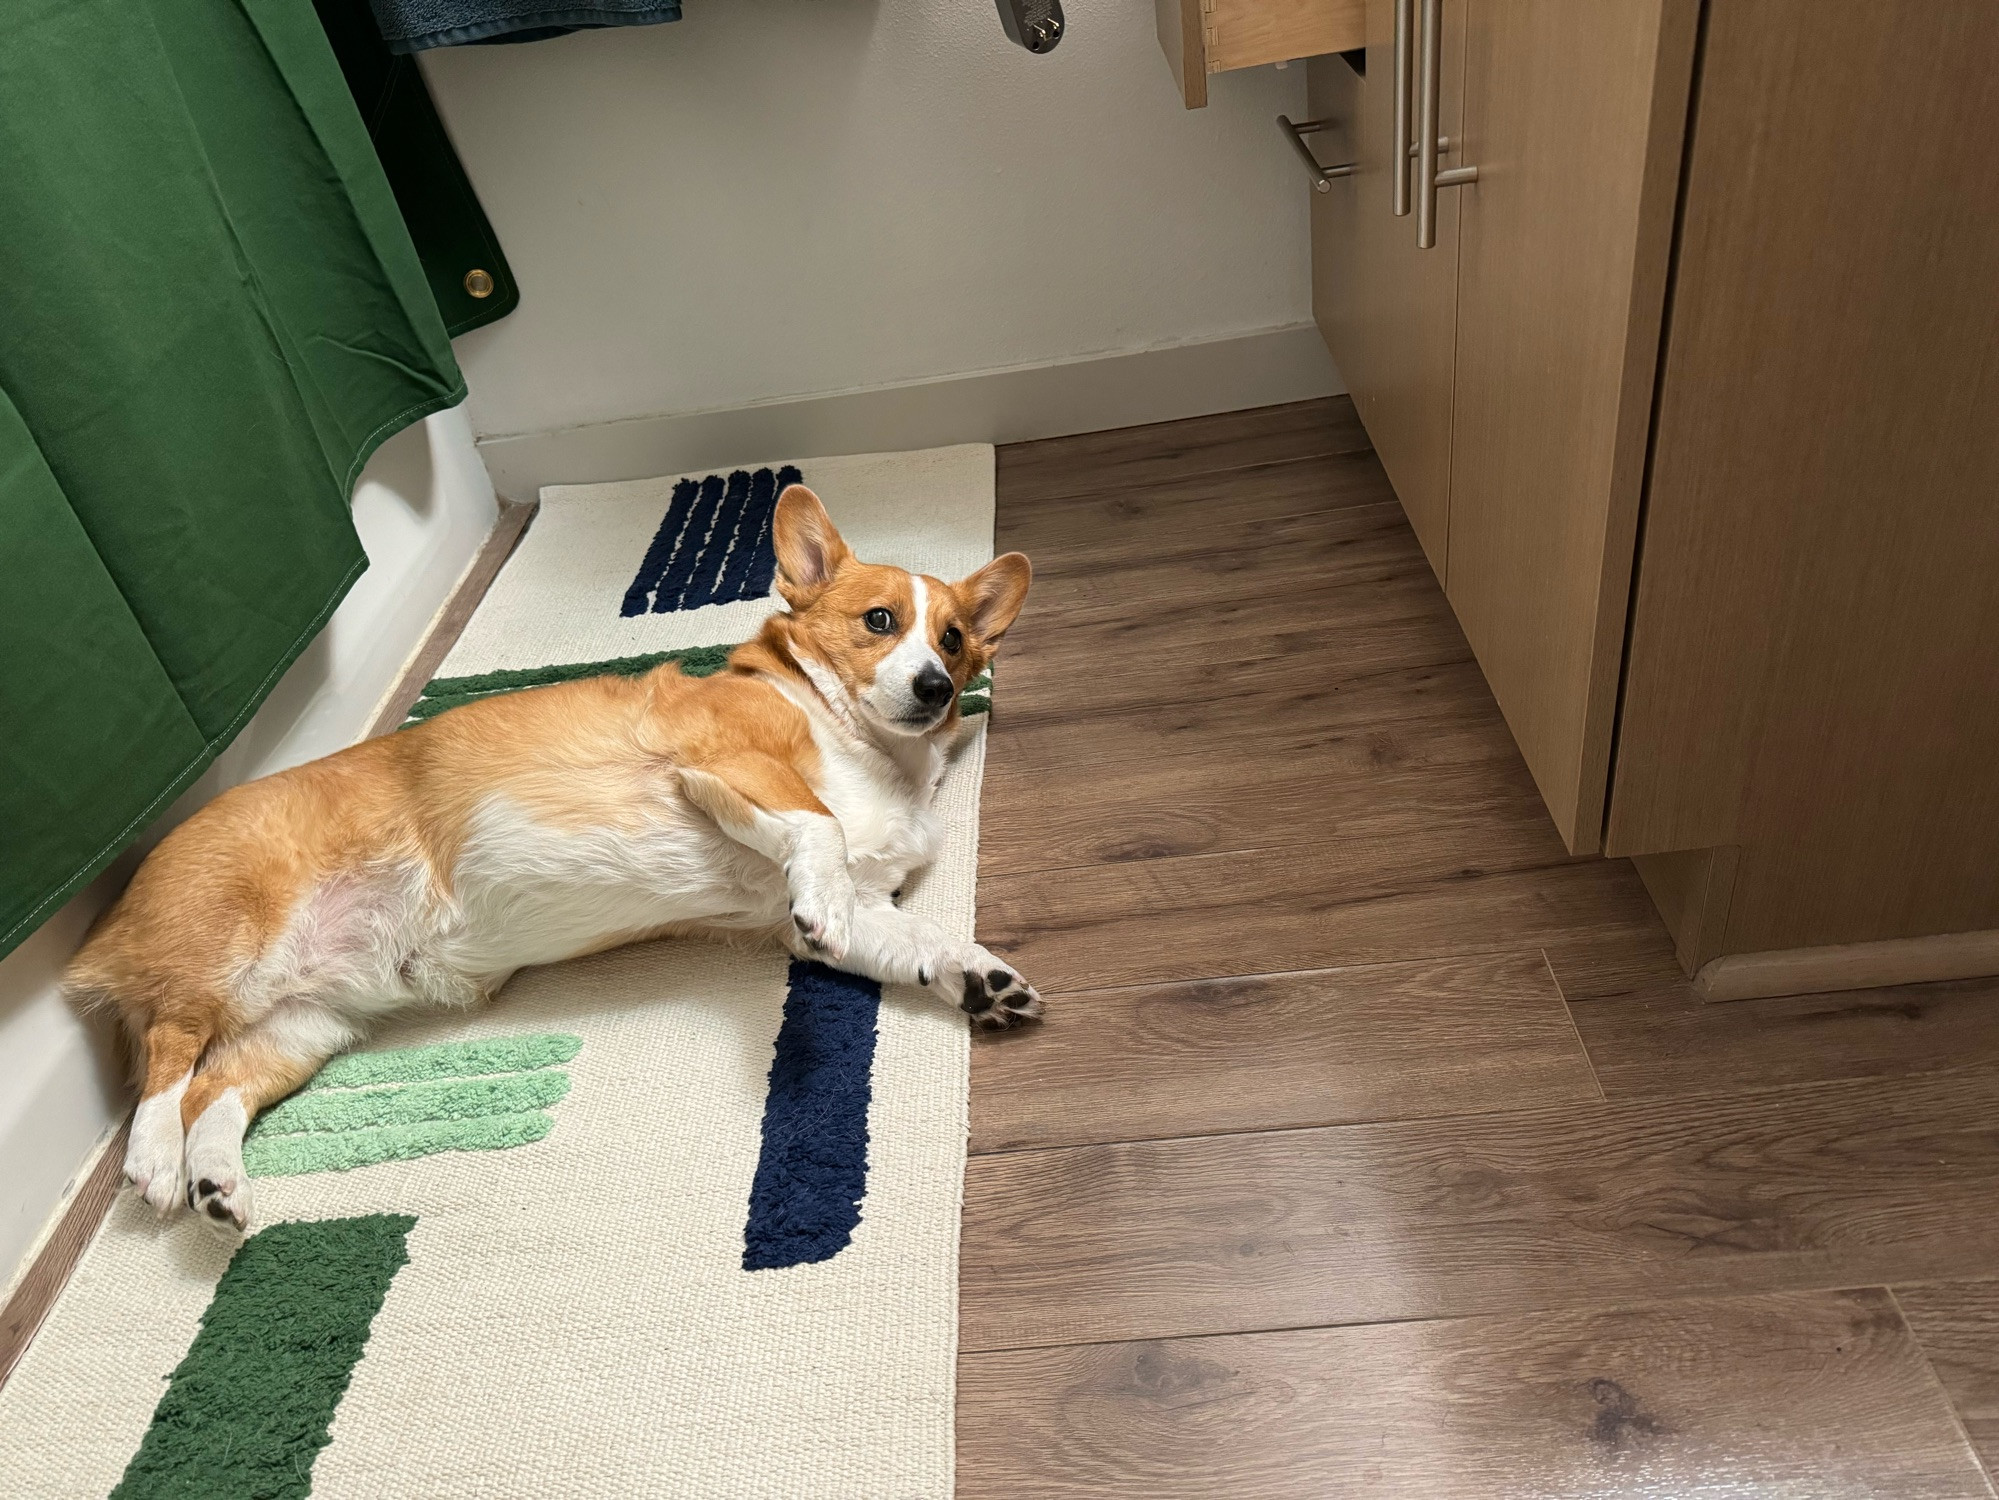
(675, 1220)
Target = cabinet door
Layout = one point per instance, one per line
(1814, 659)
(1575, 116)
(1387, 309)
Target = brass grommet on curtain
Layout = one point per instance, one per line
(479, 283)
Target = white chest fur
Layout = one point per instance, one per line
(881, 799)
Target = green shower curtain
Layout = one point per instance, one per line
(210, 315)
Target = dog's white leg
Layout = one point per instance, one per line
(173, 1046)
(153, 1154)
(217, 1185)
(235, 1083)
(808, 846)
(900, 947)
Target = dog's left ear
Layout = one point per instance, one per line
(808, 546)
(994, 594)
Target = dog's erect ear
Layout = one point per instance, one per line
(809, 549)
(994, 594)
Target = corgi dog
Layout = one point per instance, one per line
(787, 798)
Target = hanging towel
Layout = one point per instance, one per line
(210, 315)
(413, 25)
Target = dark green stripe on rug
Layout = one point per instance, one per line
(441, 693)
(247, 1411)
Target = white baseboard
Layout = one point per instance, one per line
(422, 506)
(1264, 368)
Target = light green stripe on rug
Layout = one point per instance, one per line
(325, 1110)
(343, 1151)
(372, 1107)
(500, 1054)
(441, 693)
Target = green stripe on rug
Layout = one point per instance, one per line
(322, 1110)
(977, 698)
(344, 1150)
(442, 693)
(247, 1411)
(371, 1107)
(499, 1054)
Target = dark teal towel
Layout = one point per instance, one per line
(413, 25)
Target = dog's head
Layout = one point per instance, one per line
(897, 647)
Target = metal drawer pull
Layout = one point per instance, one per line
(1428, 178)
(1405, 81)
(1322, 177)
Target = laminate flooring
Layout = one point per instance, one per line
(1373, 1145)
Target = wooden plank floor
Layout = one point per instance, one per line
(1373, 1145)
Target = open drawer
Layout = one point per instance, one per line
(1201, 37)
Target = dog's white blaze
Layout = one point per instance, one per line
(891, 697)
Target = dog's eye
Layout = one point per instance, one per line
(880, 621)
(951, 640)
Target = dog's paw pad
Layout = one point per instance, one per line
(998, 997)
(224, 1201)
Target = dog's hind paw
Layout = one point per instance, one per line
(154, 1178)
(224, 1202)
(153, 1155)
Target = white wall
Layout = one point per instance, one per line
(423, 506)
(777, 198)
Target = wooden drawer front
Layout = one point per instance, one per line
(1200, 37)
(1250, 33)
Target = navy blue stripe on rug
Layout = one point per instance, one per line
(704, 584)
(713, 545)
(813, 1169)
(751, 556)
(753, 565)
(700, 519)
(638, 598)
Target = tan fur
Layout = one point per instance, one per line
(602, 754)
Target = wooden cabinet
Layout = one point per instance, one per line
(1505, 374)
(1391, 314)
(1561, 273)
(1695, 410)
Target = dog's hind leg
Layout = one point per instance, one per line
(235, 1083)
(154, 1153)
(764, 804)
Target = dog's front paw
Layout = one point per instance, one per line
(987, 989)
(824, 918)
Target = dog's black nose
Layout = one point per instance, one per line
(932, 687)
